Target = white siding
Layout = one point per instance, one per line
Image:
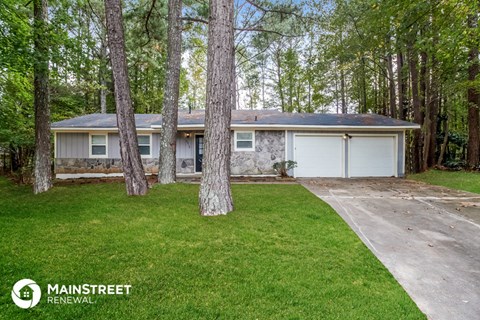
(185, 146)
(155, 145)
(114, 146)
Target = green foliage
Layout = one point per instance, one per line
(76, 39)
(275, 257)
(283, 167)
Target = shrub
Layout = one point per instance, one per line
(282, 167)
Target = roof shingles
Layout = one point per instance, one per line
(241, 117)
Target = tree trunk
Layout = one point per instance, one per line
(473, 151)
(402, 86)
(168, 141)
(42, 163)
(234, 85)
(215, 194)
(425, 106)
(391, 87)
(433, 106)
(103, 73)
(135, 180)
(443, 148)
(280, 81)
(413, 60)
(342, 90)
(363, 95)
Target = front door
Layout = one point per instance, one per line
(198, 153)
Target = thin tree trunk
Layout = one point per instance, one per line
(413, 60)
(425, 106)
(264, 106)
(215, 193)
(364, 87)
(424, 82)
(342, 90)
(168, 140)
(433, 106)
(103, 74)
(337, 103)
(103, 96)
(135, 180)
(443, 148)
(42, 163)
(473, 151)
(402, 86)
(391, 87)
(234, 85)
(280, 81)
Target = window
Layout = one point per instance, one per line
(144, 145)
(98, 146)
(244, 140)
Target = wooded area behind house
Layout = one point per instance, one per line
(412, 60)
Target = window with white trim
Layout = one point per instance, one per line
(244, 140)
(98, 145)
(144, 145)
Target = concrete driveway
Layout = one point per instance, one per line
(427, 236)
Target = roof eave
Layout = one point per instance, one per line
(109, 129)
(299, 127)
(251, 126)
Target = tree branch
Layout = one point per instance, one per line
(267, 31)
(146, 22)
(191, 19)
(267, 10)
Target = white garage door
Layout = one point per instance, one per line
(319, 156)
(372, 157)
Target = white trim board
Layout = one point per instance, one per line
(64, 176)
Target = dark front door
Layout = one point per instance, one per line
(198, 153)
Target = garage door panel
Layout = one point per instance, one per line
(372, 157)
(319, 156)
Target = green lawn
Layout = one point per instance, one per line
(283, 254)
(460, 180)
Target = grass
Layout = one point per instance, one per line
(283, 254)
(460, 180)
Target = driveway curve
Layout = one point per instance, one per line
(427, 236)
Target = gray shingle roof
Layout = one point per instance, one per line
(243, 117)
(109, 120)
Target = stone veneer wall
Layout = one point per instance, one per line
(99, 165)
(185, 165)
(269, 148)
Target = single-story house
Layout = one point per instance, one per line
(323, 145)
